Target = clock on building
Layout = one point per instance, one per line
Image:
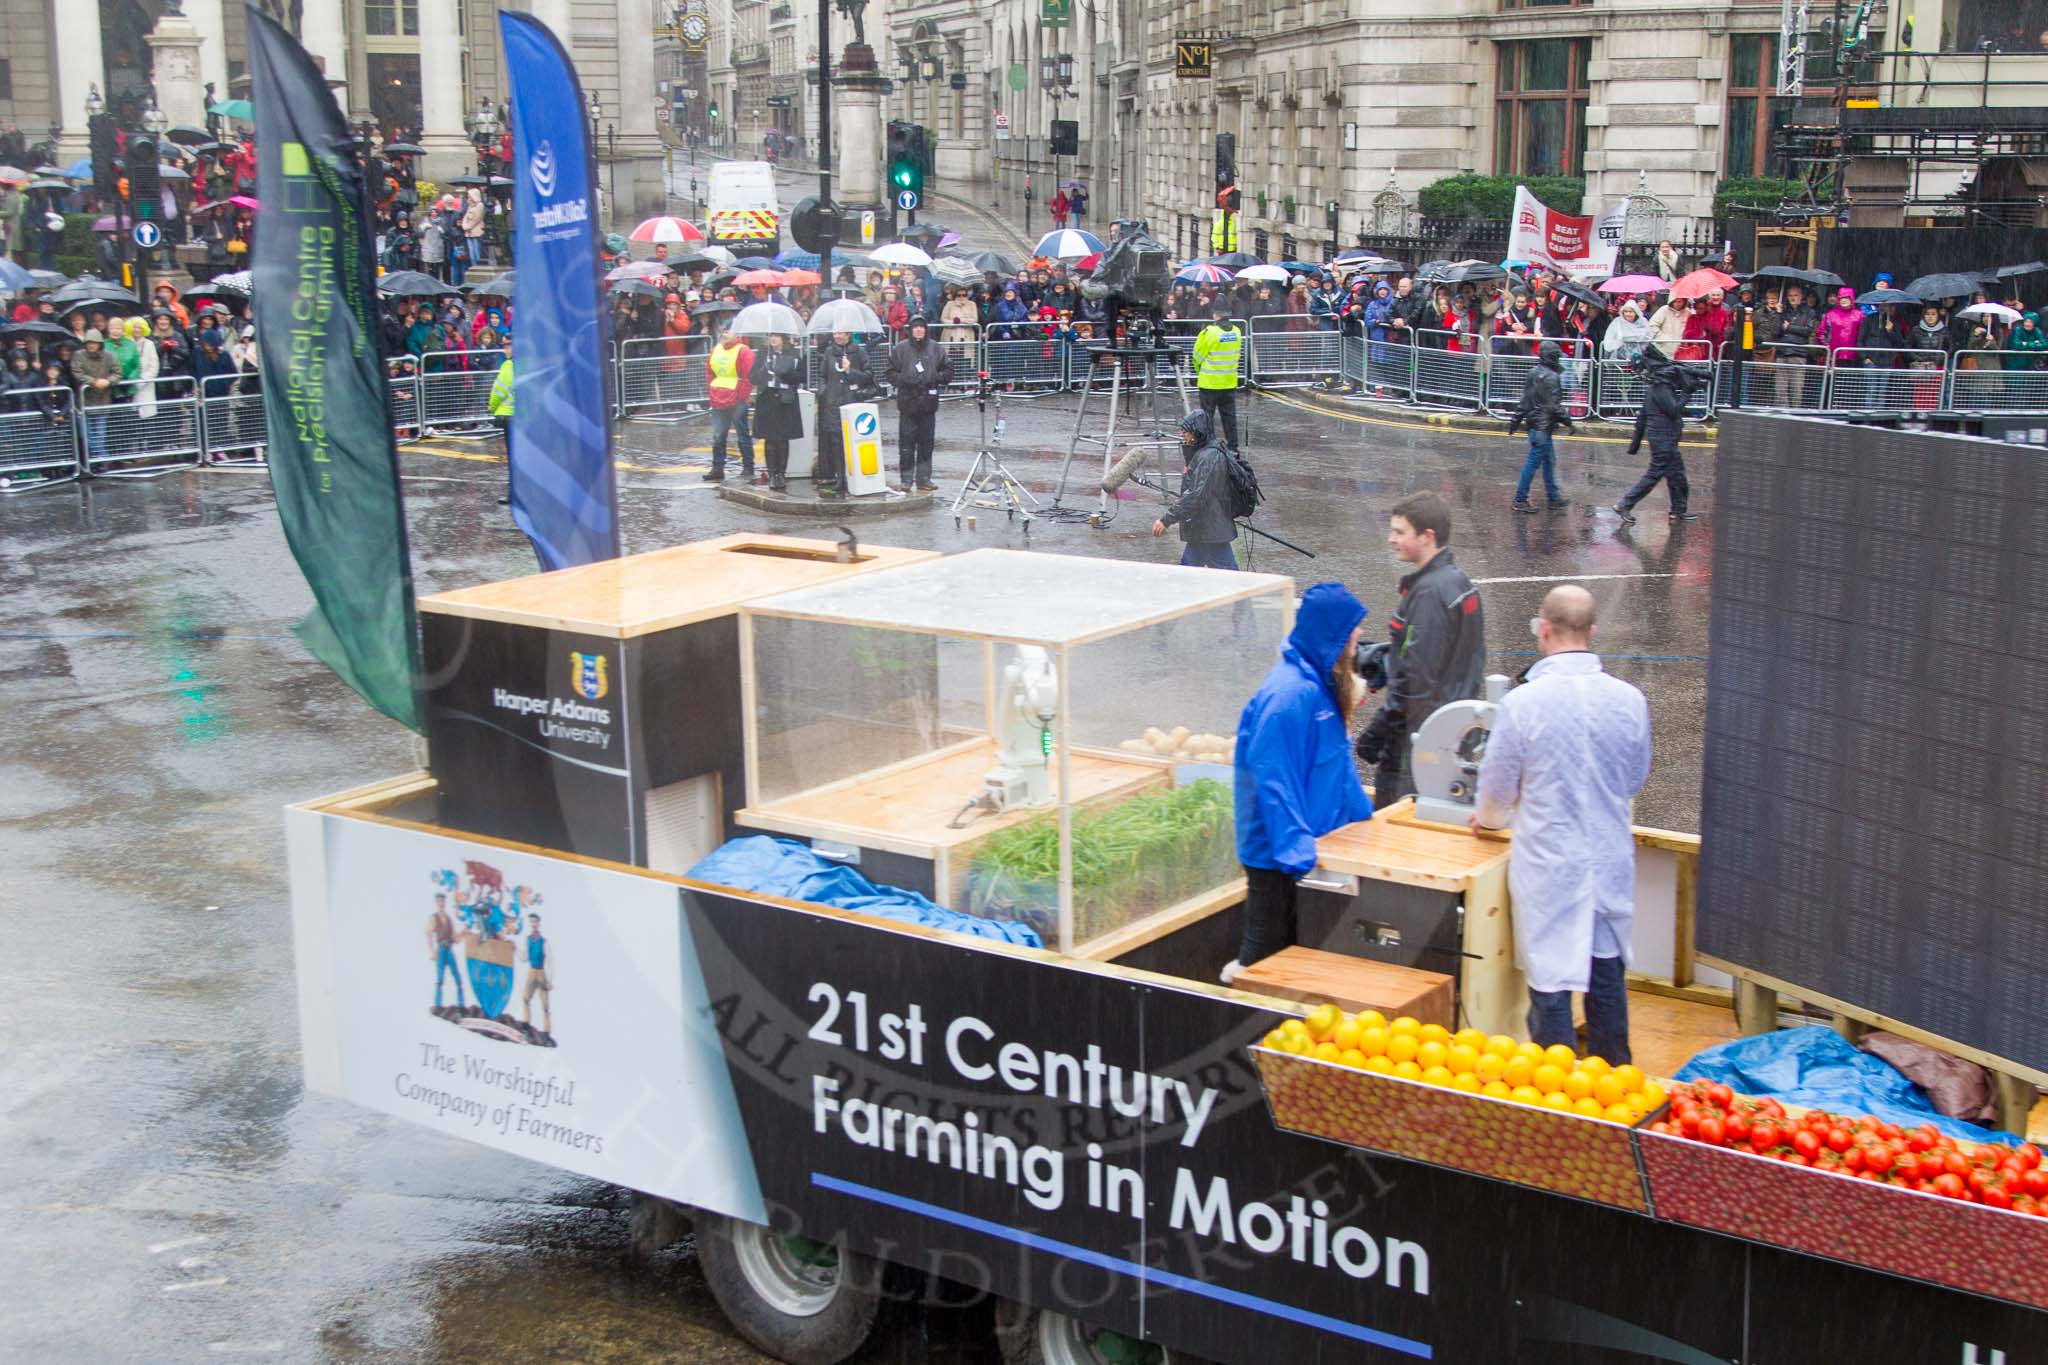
(695, 27)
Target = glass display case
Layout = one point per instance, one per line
(1037, 737)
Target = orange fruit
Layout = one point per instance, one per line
(1632, 1079)
(1325, 1052)
(1323, 1019)
(1408, 1071)
(1609, 1090)
(1352, 1058)
(1436, 1033)
(1620, 1113)
(1436, 1075)
(1371, 1019)
(1589, 1107)
(1466, 1082)
(1577, 1086)
(1517, 1070)
(1275, 1040)
(1556, 1100)
(1431, 1053)
(1464, 1059)
(1294, 1028)
(1533, 1051)
(1501, 1045)
(1490, 1067)
(1373, 1042)
(1596, 1067)
(1557, 1054)
(1497, 1089)
(1406, 1024)
(1549, 1079)
(1346, 1034)
(1380, 1064)
(1526, 1094)
(1402, 1047)
(1470, 1037)
(1650, 1096)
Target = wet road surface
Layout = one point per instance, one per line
(170, 1193)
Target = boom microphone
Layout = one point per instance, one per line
(1120, 473)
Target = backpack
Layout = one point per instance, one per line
(1244, 493)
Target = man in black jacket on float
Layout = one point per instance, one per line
(1437, 635)
(1662, 420)
(1203, 509)
(918, 369)
(1542, 412)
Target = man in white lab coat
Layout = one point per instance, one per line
(1569, 751)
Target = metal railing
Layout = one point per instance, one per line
(233, 428)
(152, 431)
(1508, 372)
(1919, 386)
(454, 390)
(1444, 377)
(1998, 381)
(39, 439)
(1782, 378)
(662, 378)
(1288, 350)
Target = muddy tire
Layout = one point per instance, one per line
(1034, 1336)
(800, 1301)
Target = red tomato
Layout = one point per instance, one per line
(2035, 1182)
(1660, 1126)
(1949, 1186)
(1737, 1126)
(1919, 1140)
(2028, 1155)
(1997, 1198)
(1689, 1124)
(1839, 1139)
(1763, 1135)
(1771, 1107)
(1888, 1130)
(1853, 1159)
(1805, 1143)
(1907, 1166)
(1712, 1131)
(1956, 1164)
(1720, 1094)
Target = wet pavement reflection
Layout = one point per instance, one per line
(170, 1192)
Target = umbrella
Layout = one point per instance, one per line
(799, 260)
(646, 289)
(667, 229)
(210, 148)
(637, 270)
(802, 277)
(36, 329)
(2011, 272)
(1068, 244)
(63, 185)
(500, 182)
(47, 279)
(1090, 262)
(173, 173)
(954, 270)
(714, 308)
(1203, 273)
(466, 181)
(499, 288)
(92, 290)
(720, 254)
(1820, 279)
(1883, 296)
(750, 278)
(1572, 289)
(1234, 260)
(1998, 311)
(80, 169)
(186, 135)
(46, 169)
(9, 175)
(243, 201)
(412, 284)
(1635, 284)
(14, 277)
(1071, 185)
(1702, 282)
(1934, 287)
(754, 263)
(949, 238)
(987, 262)
(235, 282)
(1301, 267)
(1276, 274)
(923, 232)
(690, 260)
(105, 223)
(841, 291)
(719, 280)
(1460, 272)
(901, 253)
(240, 109)
(403, 149)
(844, 315)
(759, 319)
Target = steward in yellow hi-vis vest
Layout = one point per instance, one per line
(1223, 233)
(1217, 352)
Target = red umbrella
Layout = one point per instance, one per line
(1089, 262)
(1701, 283)
(667, 229)
(749, 278)
(243, 201)
(798, 277)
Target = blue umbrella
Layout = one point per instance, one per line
(13, 276)
(797, 260)
(1067, 244)
(753, 263)
(80, 169)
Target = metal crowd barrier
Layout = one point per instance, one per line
(1920, 387)
(654, 384)
(1390, 369)
(1443, 377)
(1618, 390)
(151, 432)
(402, 398)
(1987, 386)
(1792, 379)
(233, 427)
(1507, 372)
(455, 390)
(1023, 359)
(38, 448)
(1289, 351)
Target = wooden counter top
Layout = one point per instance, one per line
(1388, 849)
(662, 589)
(905, 808)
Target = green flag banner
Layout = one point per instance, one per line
(332, 458)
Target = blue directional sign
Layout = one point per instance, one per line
(907, 200)
(147, 234)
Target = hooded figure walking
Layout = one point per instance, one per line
(1662, 420)
(1542, 412)
(1203, 509)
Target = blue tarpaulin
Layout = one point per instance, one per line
(784, 867)
(1817, 1068)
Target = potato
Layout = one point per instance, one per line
(1154, 735)
(1179, 734)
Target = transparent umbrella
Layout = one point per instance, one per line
(759, 319)
(844, 315)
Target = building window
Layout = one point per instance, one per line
(391, 18)
(6, 79)
(1752, 82)
(1540, 116)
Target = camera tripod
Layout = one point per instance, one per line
(1156, 361)
(990, 485)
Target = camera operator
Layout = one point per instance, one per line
(1437, 641)
(1203, 509)
(1662, 419)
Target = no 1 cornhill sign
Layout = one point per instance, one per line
(1192, 57)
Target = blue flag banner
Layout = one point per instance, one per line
(563, 491)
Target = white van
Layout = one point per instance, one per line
(741, 211)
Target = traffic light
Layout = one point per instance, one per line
(106, 156)
(1226, 160)
(145, 184)
(906, 158)
(712, 113)
(1066, 137)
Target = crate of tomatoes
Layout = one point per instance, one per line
(1910, 1201)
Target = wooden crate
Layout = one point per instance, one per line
(1312, 976)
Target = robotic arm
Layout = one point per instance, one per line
(1026, 706)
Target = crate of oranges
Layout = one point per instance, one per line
(1488, 1106)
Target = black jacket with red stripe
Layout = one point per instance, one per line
(1439, 653)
